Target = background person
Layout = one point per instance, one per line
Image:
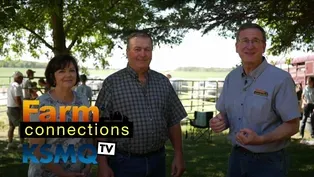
(27, 84)
(259, 105)
(14, 108)
(308, 106)
(34, 90)
(43, 84)
(299, 90)
(85, 89)
(62, 74)
(147, 99)
(168, 75)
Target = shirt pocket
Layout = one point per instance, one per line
(258, 109)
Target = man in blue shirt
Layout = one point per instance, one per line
(259, 105)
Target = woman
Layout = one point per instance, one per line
(62, 74)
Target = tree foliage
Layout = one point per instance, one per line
(288, 61)
(21, 64)
(91, 29)
(273, 62)
(289, 23)
(86, 28)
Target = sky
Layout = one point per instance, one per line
(210, 50)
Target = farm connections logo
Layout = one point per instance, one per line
(86, 153)
(49, 127)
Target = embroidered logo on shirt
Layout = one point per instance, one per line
(260, 92)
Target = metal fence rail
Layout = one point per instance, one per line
(195, 95)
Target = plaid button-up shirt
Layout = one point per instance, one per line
(153, 108)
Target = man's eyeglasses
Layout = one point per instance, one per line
(253, 41)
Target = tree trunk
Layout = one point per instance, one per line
(58, 34)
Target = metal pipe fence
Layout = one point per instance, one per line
(195, 95)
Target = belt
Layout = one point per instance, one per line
(126, 153)
(242, 149)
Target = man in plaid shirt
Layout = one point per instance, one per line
(147, 99)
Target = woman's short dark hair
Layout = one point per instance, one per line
(60, 62)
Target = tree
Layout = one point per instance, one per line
(86, 28)
(290, 24)
(288, 61)
(272, 62)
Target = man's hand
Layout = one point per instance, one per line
(248, 137)
(105, 171)
(217, 123)
(178, 166)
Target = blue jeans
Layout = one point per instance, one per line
(124, 165)
(248, 164)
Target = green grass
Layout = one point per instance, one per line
(203, 159)
(198, 75)
(3, 118)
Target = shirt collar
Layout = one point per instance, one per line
(132, 72)
(257, 71)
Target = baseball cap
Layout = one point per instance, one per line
(17, 74)
(30, 71)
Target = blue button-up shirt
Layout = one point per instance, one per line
(260, 101)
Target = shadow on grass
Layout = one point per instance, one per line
(11, 162)
(203, 159)
(301, 159)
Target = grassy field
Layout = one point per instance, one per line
(5, 73)
(202, 158)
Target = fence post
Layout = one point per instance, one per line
(204, 96)
(217, 92)
(192, 96)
